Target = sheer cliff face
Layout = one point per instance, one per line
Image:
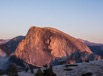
(41, 45)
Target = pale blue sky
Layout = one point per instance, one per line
(78, 18)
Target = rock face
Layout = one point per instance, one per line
(42, 45)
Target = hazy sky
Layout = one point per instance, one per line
(79, 18)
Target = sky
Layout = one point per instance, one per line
(78, 18)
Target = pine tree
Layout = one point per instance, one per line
(12, 70)
(39, 73)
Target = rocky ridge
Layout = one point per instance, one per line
(43, 45)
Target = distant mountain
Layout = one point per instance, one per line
(89, 43)
(44, 45)
(96, 48)
(10, 45)
(2, 41)
(13, 43)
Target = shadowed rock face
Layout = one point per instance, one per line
(42, 45)
(13, 43)
(10, 46)
(96, 48)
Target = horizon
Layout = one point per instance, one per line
(80, 19)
